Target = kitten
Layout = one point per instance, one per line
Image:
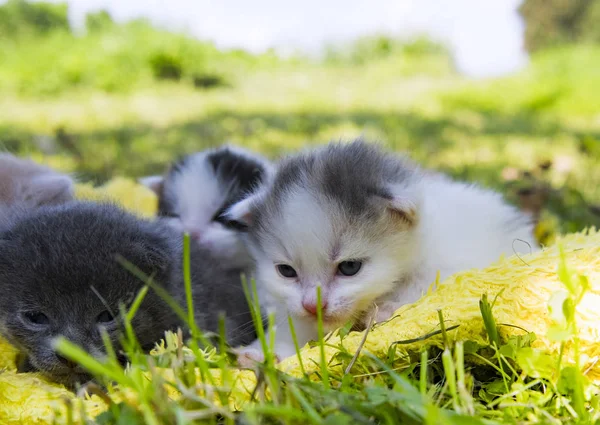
(59, 275)
(29, 184)
(369, 227)
(197, 189)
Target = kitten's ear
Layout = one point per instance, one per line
(241, 213)
(402, 203)
(155, 183)
(148, 258)
(48, 189)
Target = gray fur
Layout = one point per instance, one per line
(347, 173)
(51, 257)
(354, 177)
(356, 203)
(27, 183)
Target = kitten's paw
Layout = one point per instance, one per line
(248, 357)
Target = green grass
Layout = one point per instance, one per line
(534, 136)
(499, 382)
(284, 108)
(119, 59)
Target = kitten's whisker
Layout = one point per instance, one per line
(103, 301)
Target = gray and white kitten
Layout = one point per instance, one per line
(59, 275)
(197, 189)
(28, 184)
(369, 227)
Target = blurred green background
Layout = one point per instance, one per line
(124, 99)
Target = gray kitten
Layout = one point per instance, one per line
(59, 275)
(370, 228)
(29, 184)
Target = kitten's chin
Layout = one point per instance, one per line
(330, 322)
(332, 325)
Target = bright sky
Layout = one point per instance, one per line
(485, 35)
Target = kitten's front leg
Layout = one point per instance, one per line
(284, 343)
(248, 356)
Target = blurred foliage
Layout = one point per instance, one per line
(43, 57)
(554, 22)
(126, 99)
(166, 67)
(419, 54)
(98, 21)
(19, 18)
(563, 80)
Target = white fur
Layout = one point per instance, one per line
(197, 197)
(152, 182)
(458, 227)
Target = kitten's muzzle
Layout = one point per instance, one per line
(195, 234)
(311, 306)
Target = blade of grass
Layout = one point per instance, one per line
(296, 346)
(313, 415)
(320, 331)
(443, 329)
(75, 353)
(423, 372)
(450, 373)
(187, 280)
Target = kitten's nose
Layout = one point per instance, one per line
(195, 234)
(311, 306)
(70, 364)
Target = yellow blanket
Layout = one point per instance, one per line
(528, 282)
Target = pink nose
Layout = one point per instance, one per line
(195, 234)
(311, 306)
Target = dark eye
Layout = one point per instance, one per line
(349, 268)
(230, 224)
(286, 271)
(37, 318)
(219, 218)
(105, 317)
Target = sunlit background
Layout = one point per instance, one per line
(504, 93)
(486, 38)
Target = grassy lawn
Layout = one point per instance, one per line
(474, 131)
(534, 136)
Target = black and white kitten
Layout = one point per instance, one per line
(60, 275)
(197, 189)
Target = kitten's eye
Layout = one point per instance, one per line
(104, 317)
(218, 217)
(230, 224)
(170, 214)
(37, 318)
(349, 268)
(286, 271)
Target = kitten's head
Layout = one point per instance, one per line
(24, 182)
(342, 217)
(60, 276)
(200, 187)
